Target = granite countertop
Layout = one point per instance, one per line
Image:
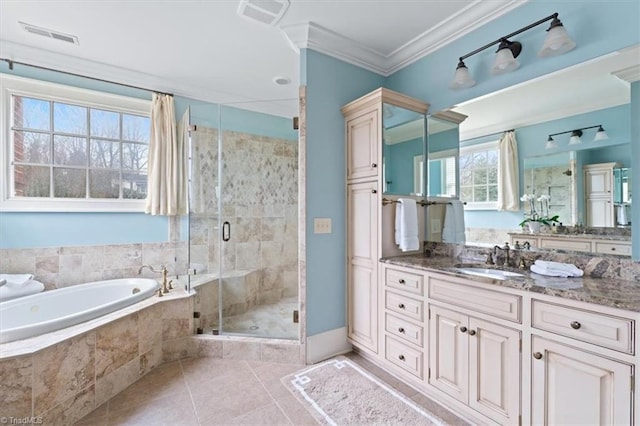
(526, 235)
(615, 293)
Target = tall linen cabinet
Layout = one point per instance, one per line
(365, 217)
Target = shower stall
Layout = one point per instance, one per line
(243, 221)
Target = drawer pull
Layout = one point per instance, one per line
(401, 357)
(463, 329)
(537, 355)
(374, 165)
(472, 332)
(401, 281)
(401, 330)
(575, 325)
(613, 249)
(401, 306)
(373, 191)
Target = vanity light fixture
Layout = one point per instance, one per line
(556, 42)
(576, 134)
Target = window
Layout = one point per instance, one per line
(442, 173)
(72, 149)
(479, 175)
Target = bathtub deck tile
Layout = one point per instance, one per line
(71, 410)
(116, 344)
(116, 381)
(16, 376)
(61, 371)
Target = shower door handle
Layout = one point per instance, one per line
(226, 231)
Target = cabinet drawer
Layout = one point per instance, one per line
(403, 356)
(412, 283)
(404, 305)
(403, 329)
(565, 244)
(591, 327)
(501, 305)
(613, 248)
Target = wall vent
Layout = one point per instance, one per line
(56, 35)
(264, 11)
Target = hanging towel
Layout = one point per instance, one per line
(556, 269)
(453, 229)
(406, 234)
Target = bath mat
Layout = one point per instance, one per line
(339, 392)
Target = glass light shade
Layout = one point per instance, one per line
(462, 78)
(557, 42)
(505, 62)
(574, 139)
(601, 135)
(551, 144)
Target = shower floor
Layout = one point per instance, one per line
(271, 320)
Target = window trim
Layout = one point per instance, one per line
(481, 147)
(21, 86)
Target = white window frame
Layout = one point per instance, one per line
(20, 86)
(481, 147)
(445, 155)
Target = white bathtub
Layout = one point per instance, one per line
(52, 310)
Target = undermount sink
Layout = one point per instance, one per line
(496, 274)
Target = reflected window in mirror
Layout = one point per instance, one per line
(403, 140)
(443, 142)
(442, 173)
(479, 176)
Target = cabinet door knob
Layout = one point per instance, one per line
(401, 357)
(374, 165)
(463, 329)
(472, 332)
(401, 281)
(401, 306)
(373, 191)
(537, 355)
(401, 330)
(613, 249)
(575, 325)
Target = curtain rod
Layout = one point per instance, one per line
(12, 62)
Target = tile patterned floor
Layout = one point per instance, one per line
(211, 391)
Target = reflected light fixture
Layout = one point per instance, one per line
(556, 42)
(576, 135)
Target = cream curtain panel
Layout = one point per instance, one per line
(167, 185)
(508, 173)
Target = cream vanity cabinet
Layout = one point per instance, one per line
(583, 243)
(473, 357)
(598, 194)
(500, 355)
(363, 136)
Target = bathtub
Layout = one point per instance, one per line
(52, 310)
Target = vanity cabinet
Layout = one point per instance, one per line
(363, 145)
(583, 243)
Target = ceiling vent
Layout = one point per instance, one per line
(265, 11)
(56, 35)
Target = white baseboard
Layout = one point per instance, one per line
(325, 345)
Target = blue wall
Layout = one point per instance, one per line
(330, 85)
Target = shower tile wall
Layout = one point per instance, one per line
(259, 200)
(554, 182)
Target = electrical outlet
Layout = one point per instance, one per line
(436, 226)
(321, 225)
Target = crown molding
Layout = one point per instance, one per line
(630, 74)
(309, 35)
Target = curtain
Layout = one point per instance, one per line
(167, 166)
(508, 173)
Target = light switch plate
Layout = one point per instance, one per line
(436, 226)
(321, 225)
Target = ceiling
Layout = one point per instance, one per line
(205, 50)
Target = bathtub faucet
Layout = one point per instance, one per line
(166, 285)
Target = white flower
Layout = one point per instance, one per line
(526, 197)
(544, 197)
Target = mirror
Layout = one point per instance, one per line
(403, 149)
(550, 104)
(442, 150)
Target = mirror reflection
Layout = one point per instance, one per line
(555, 104)
(403, 136)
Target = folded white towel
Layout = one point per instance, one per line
(2, 282)
(453, 228)
(557, 282)
(8, 292)
(554, 272)
(559, 268)
(16, 279)
(406, 234)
